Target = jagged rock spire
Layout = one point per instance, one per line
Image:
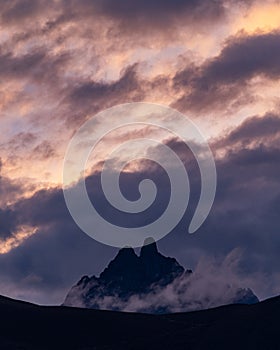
(149, 248)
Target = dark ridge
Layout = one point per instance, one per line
(29, 327)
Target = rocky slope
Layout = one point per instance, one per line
(149, 283)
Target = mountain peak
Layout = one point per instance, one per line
(149, 241)
(124, 265)
(130, 280)
(149, 248)
(126, 252)
(126, 275)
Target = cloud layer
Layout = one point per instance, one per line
(244, 216)
(63, 61)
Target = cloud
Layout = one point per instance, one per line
(160, 13)
(97, 96)
(155, 13)
(36, 66)
(88, 97)
(11, 190)
(253, 131)
(63, 61)
(18, 11)
(244, 216)
(19, 142)
(244, 57)
(226, 80)
(15, 240)
(213, 283)
(44, 150)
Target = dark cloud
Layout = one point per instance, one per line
(153, 13)
(244, 215)
(92, 90)
(38, 66)
(10, 191)
(88, 97)
(49, 64)
(20, 66)
(244, 57)
(253, 130)
(14, 12)
(9, 188)
(7, 222)
(226, 79)
(161, 12)
(138, 15)
(43, 267)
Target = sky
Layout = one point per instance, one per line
(61, 62)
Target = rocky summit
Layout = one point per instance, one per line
(145, 283)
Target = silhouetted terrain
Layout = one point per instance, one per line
(152, 283)
(27, 326)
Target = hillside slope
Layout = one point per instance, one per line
(27, 326)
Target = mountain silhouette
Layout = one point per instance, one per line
(137, 283)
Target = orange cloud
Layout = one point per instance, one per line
(263, 17)
(17, 239)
